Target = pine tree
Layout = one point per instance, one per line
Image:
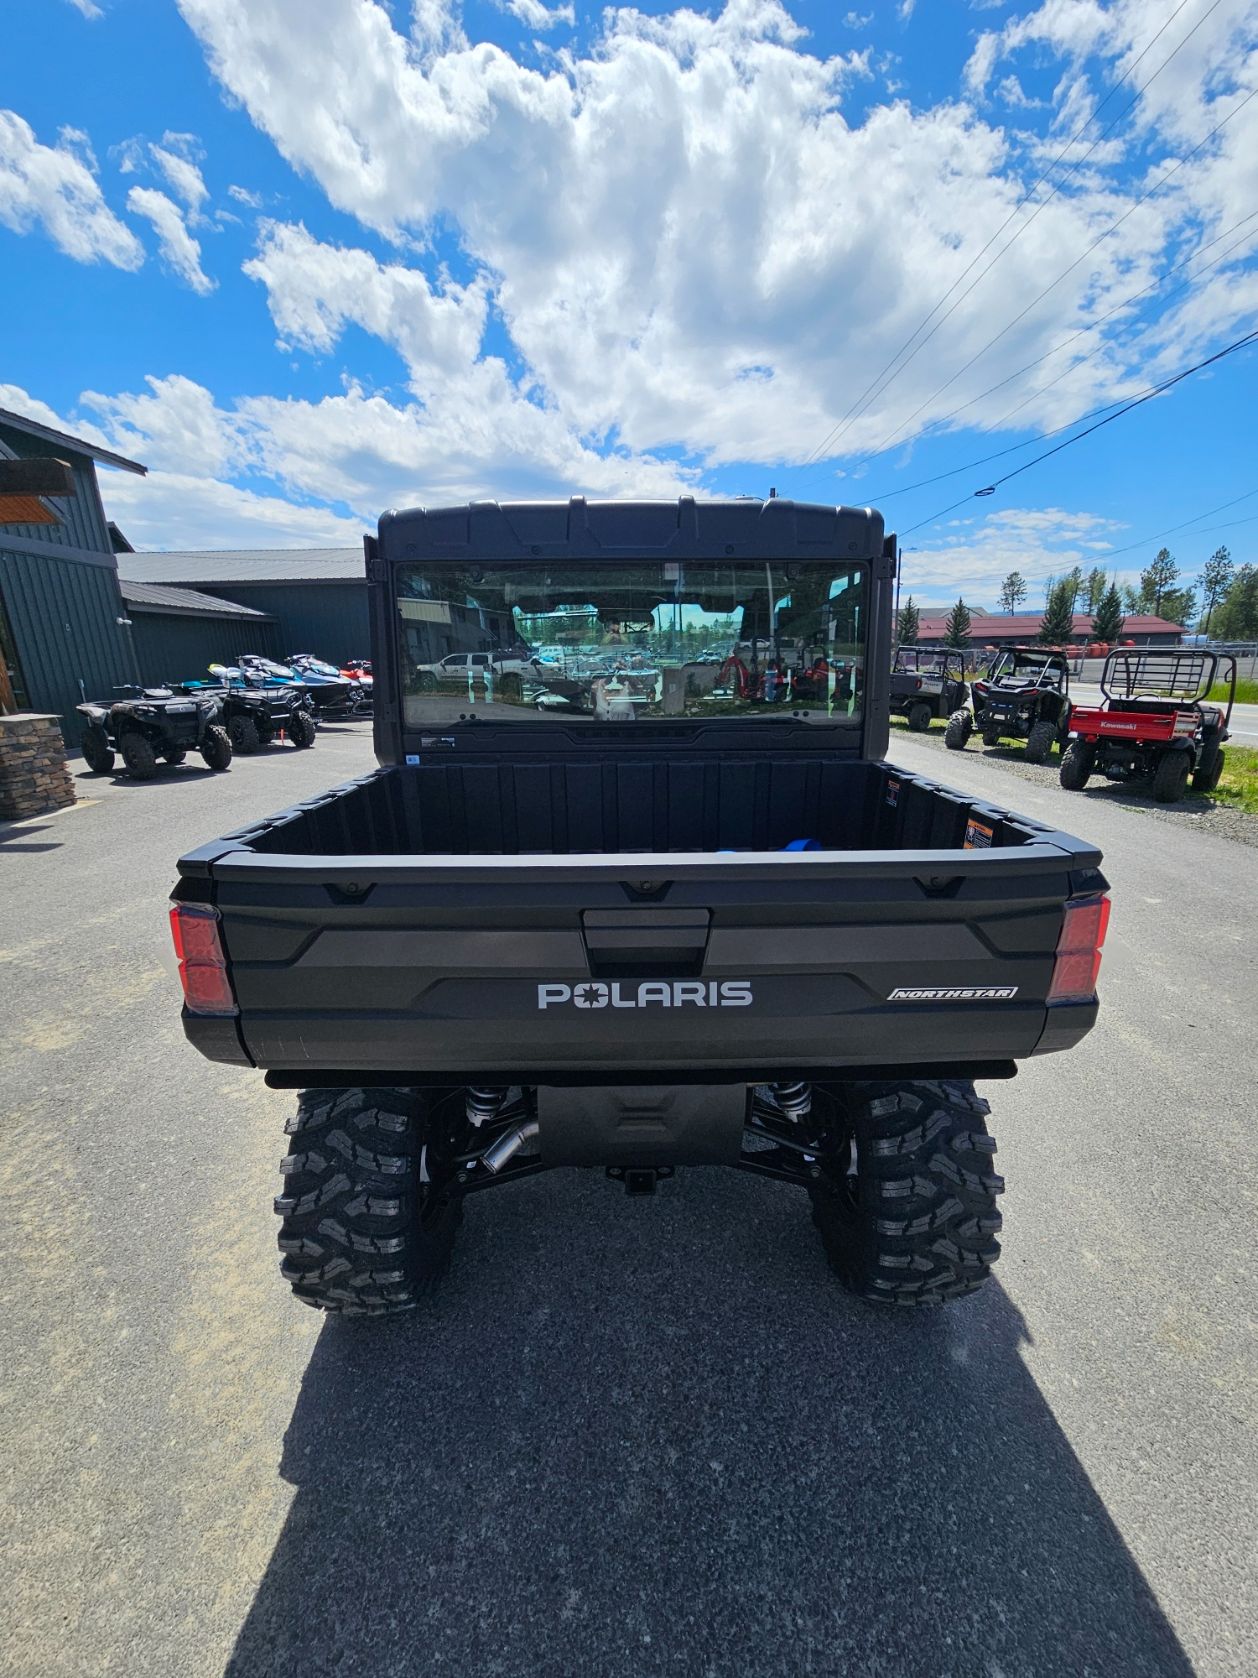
(1179, 605)
(957, 628)
(1058, 623)
(1216, 574)
(1155, 582)
(908, 624)
(1074, 583)
(1107, 622)
(1096, 588)
(1013, 591)
(1237, 616)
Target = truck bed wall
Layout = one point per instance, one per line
(598, 808)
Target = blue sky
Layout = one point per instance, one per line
(310, 258)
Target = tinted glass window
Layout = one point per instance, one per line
(632, 642)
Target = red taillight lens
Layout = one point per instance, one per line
(202, 964)
(1079, 950)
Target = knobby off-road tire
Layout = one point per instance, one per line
(216, 748)
(301, 730)
(915, 1224)
(1040, 742)
(174, 758)
(1206, 780)
(958, 731)
(97, 752)
(919, 718)
(364, 1232)
(139, 757)
(1170, 778)
(244, 736)
(1077, 763)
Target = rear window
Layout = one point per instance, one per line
(632, 642)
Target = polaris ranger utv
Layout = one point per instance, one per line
(927, 682)
(708, 928)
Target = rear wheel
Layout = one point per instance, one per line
(216, 747)
(913, 1219)
(174, 757)
(958, 730)
(243, 734)
(97, 753)
(1206, 780)
(919, 718)
(1040, 742)
(364, 1232)
(139, 756)
(1077, 763)
(301, 729)
(1170, 778)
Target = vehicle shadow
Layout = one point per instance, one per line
(655, 1436)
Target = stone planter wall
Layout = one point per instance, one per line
(33, 773)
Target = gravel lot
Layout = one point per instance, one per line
(629, 1437)
(1196, 811)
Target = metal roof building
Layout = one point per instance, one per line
(179, 632)
(316, 598)
(62, 624)
(999, 629)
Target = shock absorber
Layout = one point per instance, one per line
(483, 1104)
(794, 1099)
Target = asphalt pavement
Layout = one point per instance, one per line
(629, 1436)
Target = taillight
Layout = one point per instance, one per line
(1079, 950)
(202, 964)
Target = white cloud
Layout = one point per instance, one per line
(857, 20)
(179, 249)
(177, 510)
(977, 555)
(184, 178)
(176, 158)
(534, 15)
(906, 9)
(87, 9)
(315, 290)
(981, 63)
(54, 187)
(242, 195)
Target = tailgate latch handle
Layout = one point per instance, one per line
(634, 943)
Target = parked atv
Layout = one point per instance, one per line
(1155, 721)
(153, 723)
(1024, 696)
(927, 682)
(253, 716)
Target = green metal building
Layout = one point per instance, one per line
(314, 599)
(63, 628)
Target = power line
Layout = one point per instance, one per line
(877, 387)
(1029, 442)
(1092, 326)
(1100, 239)
(1136, 402)
(1147, 541)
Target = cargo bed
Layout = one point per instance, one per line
(424, 923)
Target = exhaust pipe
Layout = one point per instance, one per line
(508, 1146)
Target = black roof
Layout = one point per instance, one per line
(152, 597)
(744, 527)
(63, 439)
